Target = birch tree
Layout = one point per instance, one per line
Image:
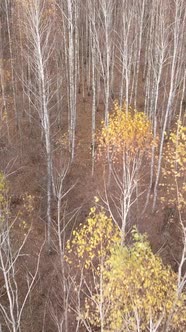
(69, 25)
(125, 45)
(13, 307)
(158, 59)
(40, 47)
(178, 28)
(128, 138)
(105, 47)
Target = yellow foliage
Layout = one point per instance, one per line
(174, 168)
(123, 283)
(127, 132)
(3, 198)
(94, 239)
(28, 200)
(137, 284)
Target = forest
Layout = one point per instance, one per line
(92, 165)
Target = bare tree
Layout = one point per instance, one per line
(158, 58)
(40, 48)
(12, 311)
(59, 298)
(69, 25)
(178, 28)
(13, 297)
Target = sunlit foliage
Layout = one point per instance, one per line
(174, 180)
(3, 199)
(126, 143)
(128, 132)
(127, 287)
(94, 239)
(140, 289)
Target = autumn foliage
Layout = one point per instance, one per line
(128, 132)
(94, 239)
(127, 287)
(125, 143)
(140, 289)
(174, 169)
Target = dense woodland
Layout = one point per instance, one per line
(92, 165)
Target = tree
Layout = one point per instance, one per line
(174, 192)
(158, 45)
(122, 288)
(13, 297)
(173, 179)
(127, 140)
(140, 290)
(175, 79)
(70, 34)
(38, 26)
(60, 291)
(126, 50)
(89, 250)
